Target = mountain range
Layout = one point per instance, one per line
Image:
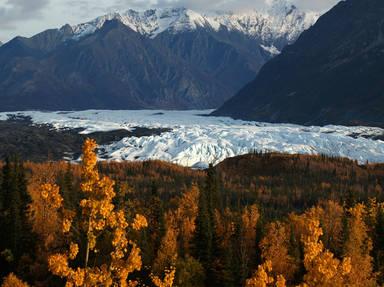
(161, 58)
(333, 73)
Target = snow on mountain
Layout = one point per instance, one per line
(279, 20)
(271, 49)
(197, 140)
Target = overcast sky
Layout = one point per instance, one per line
(28, 17)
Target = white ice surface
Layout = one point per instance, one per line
(197, 140)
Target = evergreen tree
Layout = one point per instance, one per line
(156, 229)
(206, 242)
(379, 245)
(203, 235)
(67, 187)
(13, 217)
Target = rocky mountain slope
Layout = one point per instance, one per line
(161, 58)
(333, 74)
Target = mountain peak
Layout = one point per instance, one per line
(144, 59)
(281, 19)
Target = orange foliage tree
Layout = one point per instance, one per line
(183, 218)
(167, 253)
(98, 216)
(263, 278)
(45, 214)
(274, 248)
(322, 268)
(249, 219)
(358, 247)
(12, 281)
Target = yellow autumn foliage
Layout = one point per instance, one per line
(12, 281)
(358, 247)
(322, 268)
(168, 278)
(274, 247)
(263, 277)
(98, 215)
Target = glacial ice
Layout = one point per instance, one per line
(196, 139)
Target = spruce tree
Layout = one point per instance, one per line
(206, 241)
(379, 245)
(70, 197)
(203, 235)
(156, 229)
(14, 221)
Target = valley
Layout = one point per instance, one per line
(206, 144)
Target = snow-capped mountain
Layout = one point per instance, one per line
(280, 20)
(172, 58)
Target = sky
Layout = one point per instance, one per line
(28, 17)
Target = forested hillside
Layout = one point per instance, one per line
(254, 220)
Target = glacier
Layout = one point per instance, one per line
(196, 139)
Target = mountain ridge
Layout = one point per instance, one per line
(331, 75)
(280, 20)
(108, 64)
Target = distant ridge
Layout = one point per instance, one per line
(171, 58)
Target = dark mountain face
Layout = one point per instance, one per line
(117, 68)
(333, 74)
(218, 54)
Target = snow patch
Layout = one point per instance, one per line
(271, 50)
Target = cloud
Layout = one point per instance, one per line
(317, 5)
(199, 5)
(13, 11)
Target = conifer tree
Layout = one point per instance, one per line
(67, 189)
(203, 235)
(155, 230)
(13, 215)
(206, 249)
(379, 244)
